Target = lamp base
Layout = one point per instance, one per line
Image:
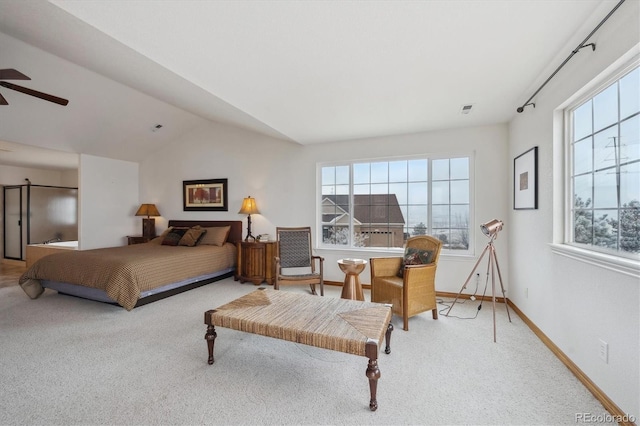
(149, 228)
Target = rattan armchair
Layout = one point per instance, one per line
(414, 292)
(295, 263)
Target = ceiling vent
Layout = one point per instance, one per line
(466, 109)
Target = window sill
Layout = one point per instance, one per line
(624, 266)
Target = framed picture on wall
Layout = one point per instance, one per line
(205, 195)
(525, 180)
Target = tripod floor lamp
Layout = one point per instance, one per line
(490, 229)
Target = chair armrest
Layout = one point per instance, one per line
(320, 260)
(419, 275)
(384, 266)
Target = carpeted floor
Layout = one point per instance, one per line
(71, 361)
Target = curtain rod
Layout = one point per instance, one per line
(573, 52)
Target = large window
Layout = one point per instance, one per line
(604, 171)
(382, 203)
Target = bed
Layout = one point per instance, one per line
(141, 273)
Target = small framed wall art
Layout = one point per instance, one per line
(525, 180)
(205, 195)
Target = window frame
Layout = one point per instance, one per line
(563, 244)
(470, 155)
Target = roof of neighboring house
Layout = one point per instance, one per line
(374, 208)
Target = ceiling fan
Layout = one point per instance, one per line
(11, 74)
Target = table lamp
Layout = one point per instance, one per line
(249, 207)
(148, 224)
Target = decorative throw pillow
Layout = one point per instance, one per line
(160, 238)
(192, 236)
(414, 256)
(216, 236)
(173, 237)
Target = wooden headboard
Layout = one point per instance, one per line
(235, 234)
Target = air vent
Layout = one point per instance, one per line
(466, 109)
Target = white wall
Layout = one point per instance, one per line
(108, 200)
(282, 178)
(574, 303)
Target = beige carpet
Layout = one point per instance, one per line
(71, 361)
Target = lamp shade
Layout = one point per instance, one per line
(492, 227)
(249, 206)
(148, 210)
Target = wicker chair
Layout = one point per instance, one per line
(415, 292)
(294, 251)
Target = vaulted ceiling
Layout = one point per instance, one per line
(304, 71)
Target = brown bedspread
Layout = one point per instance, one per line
(124, 272)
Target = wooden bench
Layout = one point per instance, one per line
(350, 326)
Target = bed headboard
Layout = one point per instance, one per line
(235, 234)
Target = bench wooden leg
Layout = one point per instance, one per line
(387, 338)
(211, 338)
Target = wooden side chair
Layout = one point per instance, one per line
(408, 282)
(294, 251)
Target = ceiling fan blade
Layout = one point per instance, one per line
(27, 91)
(11, 74)
(3, 101)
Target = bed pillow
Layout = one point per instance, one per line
(173, 236)
(160, 238)
(414, 256)
(216, 236)
(192, 237)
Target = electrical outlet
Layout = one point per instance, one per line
(604, 351)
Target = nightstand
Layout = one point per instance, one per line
(255, 262)
(137, 239)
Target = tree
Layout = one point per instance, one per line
(630, 227)
(420, 229)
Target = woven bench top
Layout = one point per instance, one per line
(324, 322)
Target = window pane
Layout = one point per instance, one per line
(605, 108)
(443, 235)
(630, 140)
(398, 171)
(328, 175)
(459, 239)
(400, 190)
(440, 192)
(361, 173)
(582, 156)
(630, 187)
(460, 216)
(380, 189)
(342, 175)
(418, 193)
(379, 172)
(342, 189)
(629, 94)
(440, 169)
(418, 170)
(416, 215)
(582, 189)
(459, 192)
(605, 148)
(630, 229)
(605, 229)
(582, 121)
(604, 189)
(440, 216)
(362, 189)
(459, 168)
(582, 226)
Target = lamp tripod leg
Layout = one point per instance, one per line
(468, 279)
(504, 296)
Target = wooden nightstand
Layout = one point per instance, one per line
(255, 262)
(136, 239)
